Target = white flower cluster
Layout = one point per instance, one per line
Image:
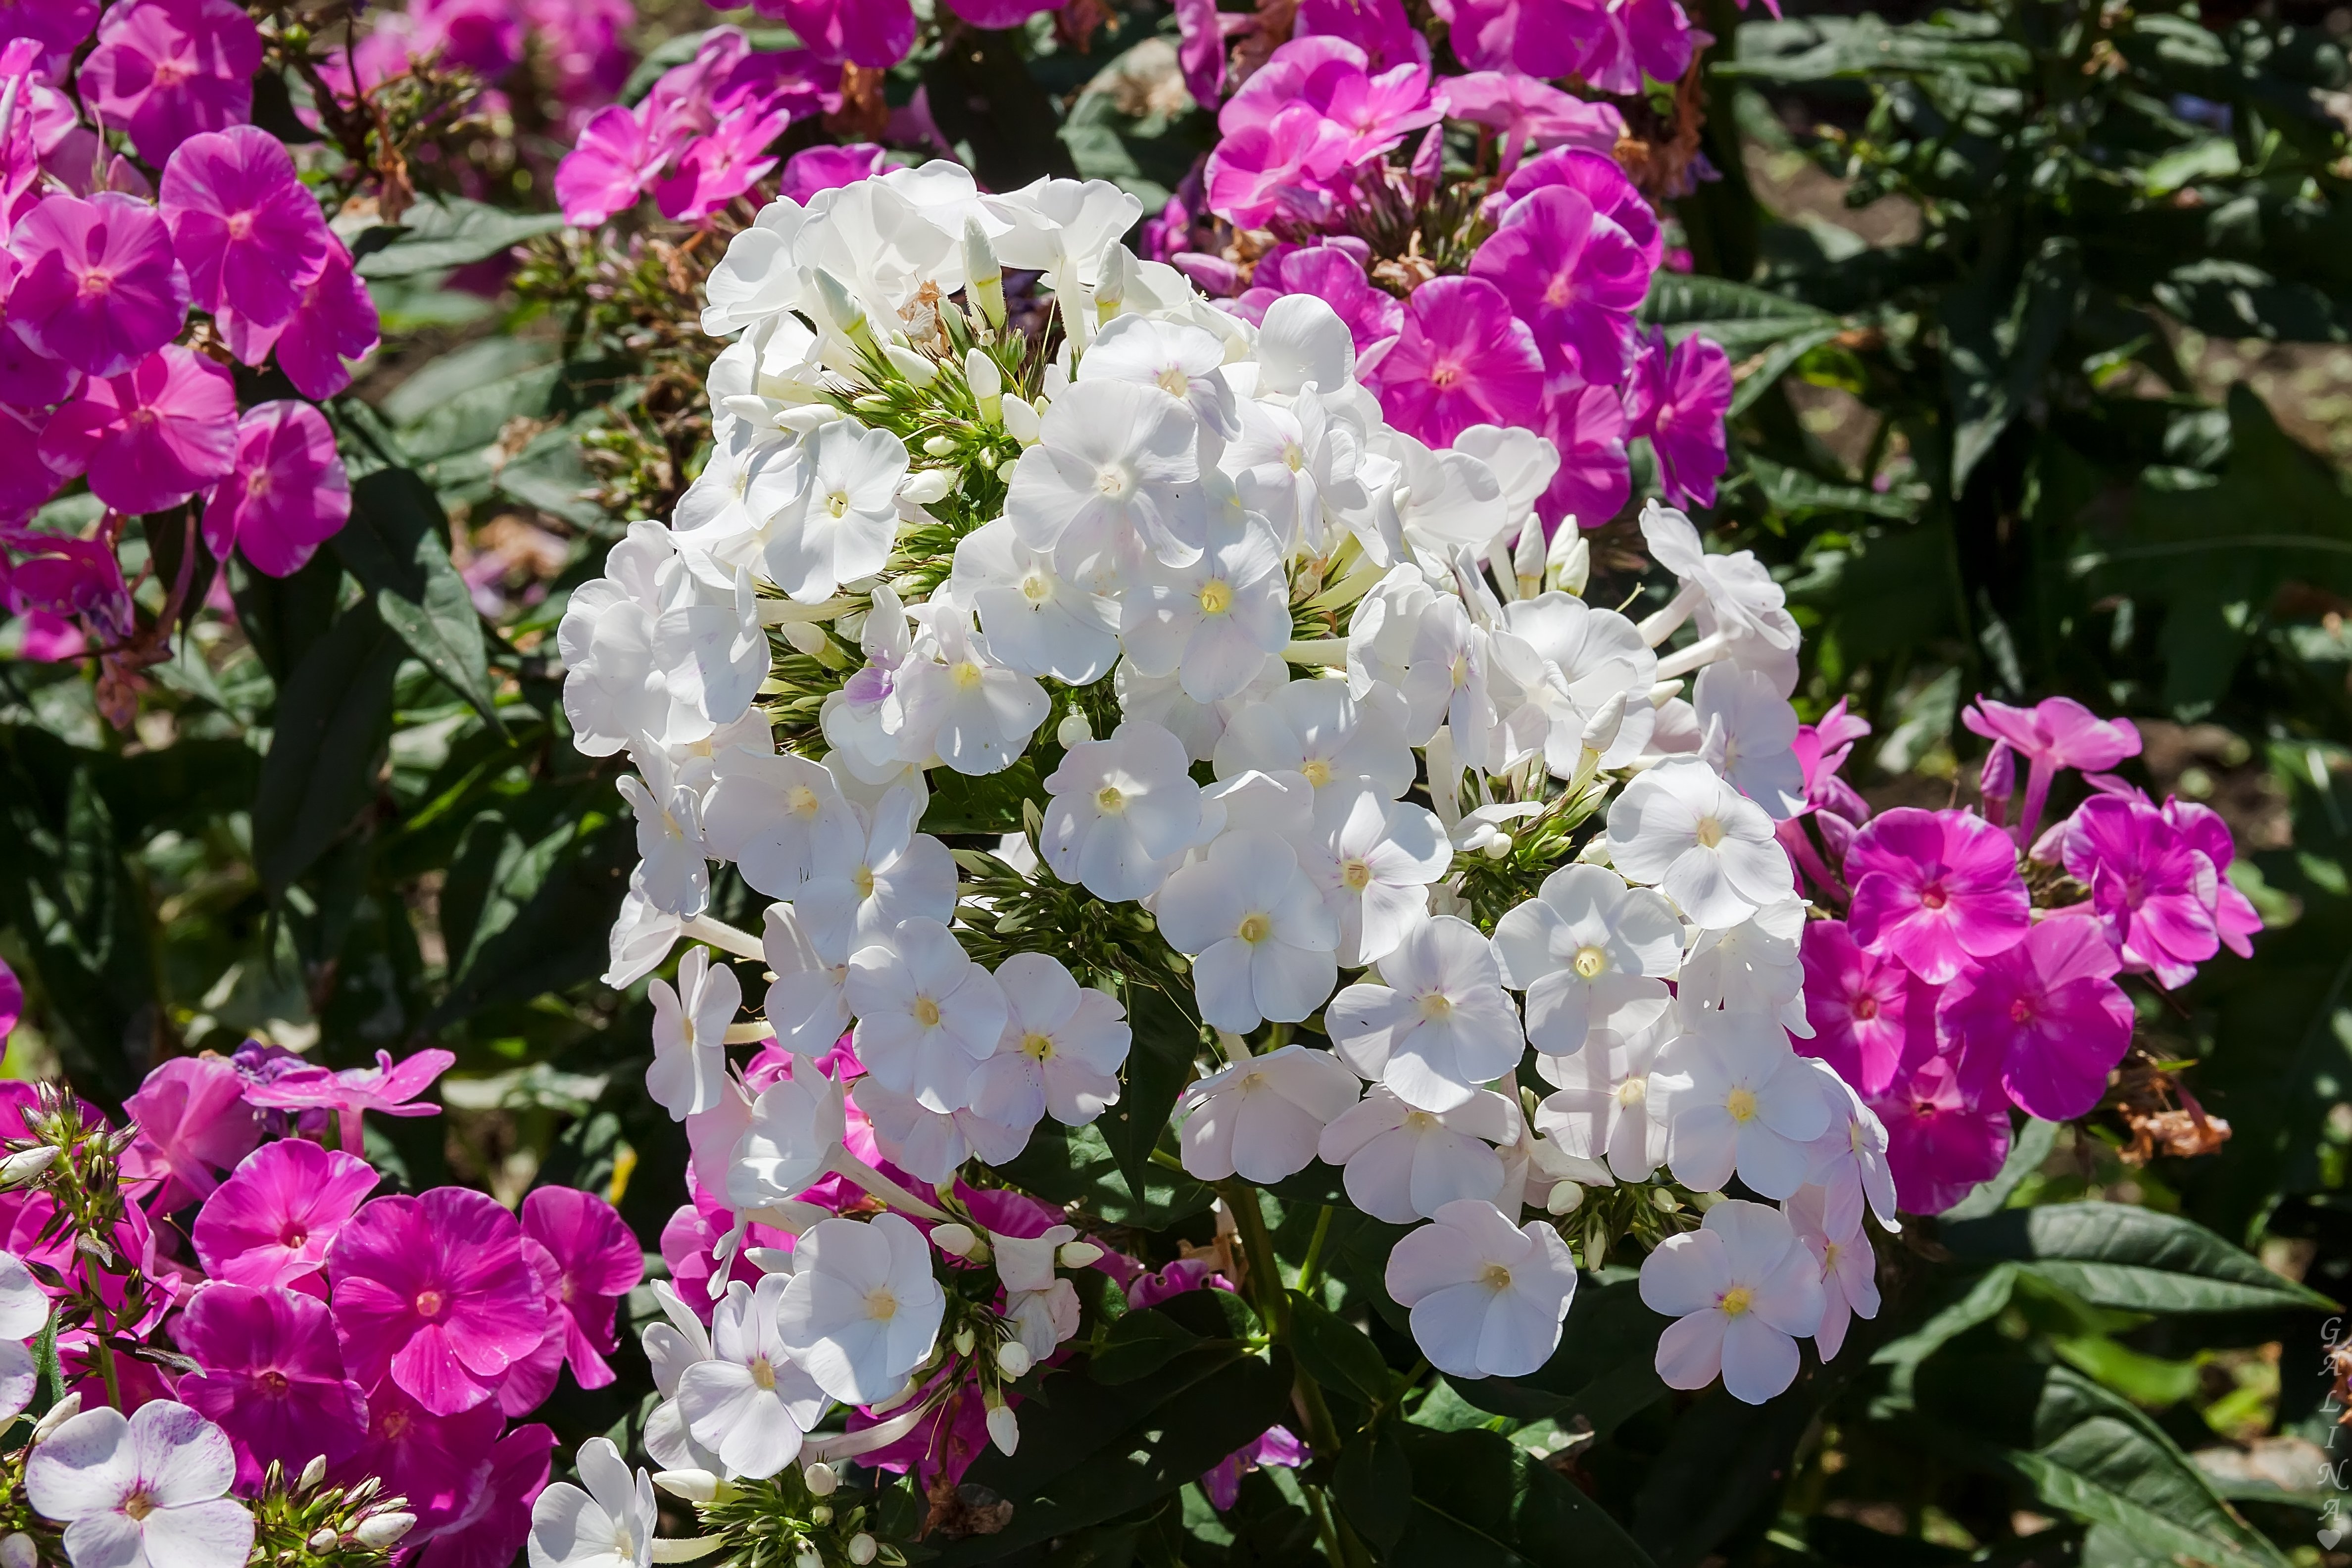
(1341, 676)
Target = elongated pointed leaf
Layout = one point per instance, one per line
(392, 545)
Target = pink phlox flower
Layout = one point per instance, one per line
(12, 1000)
(388, 1088)
(439, 1463)
(1868, 1011)
(1586, 423)
(720, 166)
(244, 227)
(492, 1532)
(272, 1379)
(1573, 276)
(51, 29)
(689, 1247)
(1275, 1446)
(1333, 271)
(616, 157)
(2155, 890)
(1823, 749)
(74, 578)
(269, 1225)
(1934, 889)
(816, 169)
(1461, 359)
(334, 323)
(1602, 181)
(1379, 27)
(1174, 1279)
(2056, 732)
(484, 37)
(875, 33)
(151, 438)
(1638, 38)
(1679, 399)
(585, 45)
(597, 1261)
(435, 1291)
(192, 1118)
(530, 1377)
(1520, 109)
(944, 1443)
(29, 380)
(98, 285)
(171, 68)
(1200, 29)
(2234, 916)
(2043, 1019)
(1540, 37)
(1280, 166)
(288, 495)
(1333, 76)
(1941, 1141)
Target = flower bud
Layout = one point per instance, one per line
(1997, 783)
(1497, 845)
(1568, 560)
(27, 1163)
(1528, 557)
(1665, 1201)
(863, 1549)
(955, 1240)
(1110, 294)
(312, 1474)
(18, 1551)
(1073, 730)
(929, 486)
(983, 279)
(1021, 420)
(987, 383)
(1013, 1360)
(1079, 1255)
(63, 1411)
(920, 370)
(322, 1541)
(821, 1513)
(808, 1557)
(1003, 1429)
(1601, 730)
(939, 445)
(688, 1485)
(820, 1479)
(963, 1341)
(1566, 1197)
(384, 1530)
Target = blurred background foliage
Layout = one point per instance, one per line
(2043, 319)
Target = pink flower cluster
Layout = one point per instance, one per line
(1947, 995)
(583, 43)
(399, 1336)
(109, 370)
(877, 33)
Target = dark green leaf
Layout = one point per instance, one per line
(283, 616)
(1159, 1065)
(1374, 1486)
(2121, 1256)
(981, 95)
(332, 716)
(1336, 1353)
(392, 544)
(1996, 347)
(1137, 1344)
(2025, 1155)
(439, 232)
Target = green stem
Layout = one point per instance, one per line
(1308, 1271)
(106, 1361)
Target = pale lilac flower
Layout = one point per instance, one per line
(1061, 1051)
(288, 494)
(1682, 829)
(272, 1376)
(1262, 941)
(98, 285)
(1374, 860)
(610, 1524)
(1602, 1111)
(862, 1310)
(1849, 1269)
(243, 225)
(1404, 1164)
(927, 1014)
(151, 1487)
(749, 1402)
(269, 1225)
(171, 68)
(1936, 889)
(1486, 1298)
(1461, 359)
(1584, 946)
(1742, 1289)
(2043, 1019)
(1734, 1097)
(151, 438)
(1262, 1118)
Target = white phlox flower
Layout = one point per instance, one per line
(1752, 967)
(617, 690)
(1298, 466)
(1486, 1298)
(1302, 343)
(1405, 1164)
(796, 1127)
(1043, 1306)
(1318, 728)
(861, 1310)
(1741, 610)
(1181, 361)
(1282, 804)
(689, 1066)
(1849, 1159)
(807, 1003)
(932, 1145)
(1584, 946)
(1262, 1118)
(24, 1312)
(1062, 228)
(1683, 830)
(672, 1344)
(1123, 461)
(767, 811)
(1161, 699)
(712, 650)
(927, 1014)
(1734, 1097)
(756, 279)
(1121, 812)
(1600, 1109)
(749, 1403)
(1382, 632)
(1374, 860)
(150, 1487)
(1748, 729)
(642, 937)
(1061, 1051)
(1848, 1268)
(1441, 1026)
(1036, 623)
(609, 1523)
(1451, 499)
(865, 722)
(1215, 621)
(1742, 1289)
(862, 883)
(975, 714)
(1523, 463)
(676, 872)
(1256, 928)
(887, 238)
(1589, 655)
(846, 515)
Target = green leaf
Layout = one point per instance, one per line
(1995, 352)
(1720, 1462)
(2137, 1259)
(1374, 1486)
(1137, 1344)
(1336, 1353)
(392, 545)
(558, 938)
(1560, 1527)
(1792, 489)
(2235, 299)
(1075, 1165)
(1746, 320)
(1159, 1065)
(439, 232)
(983, 96)
(282, 616)
(332, 717)
(1775, 362)
(2031, 1147)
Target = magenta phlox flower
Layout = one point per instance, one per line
(597, 1262)
(388, 1087)
(530, 1377)
(1461, 359)
(288, 494)
(1333, 76)
(585, 45)
(1200, 29)
(79, 579)
(1586, 423)
(943, 1444)
(1379, 27)
(1519, 109)
(98, 285)
(334, 323)
(1278, 166)
(2056, 732)
(1572, 276)
(689, 1247)
(151, 438)
(1940, 1140)
(1934, 889)
(2234, 916)
(492, 1532)
(269, 1225)
(171, 68)
(1540, 37)
(193, 1122)
(717, 168)
(1175, 1279)
(816, 169)
(439, 1463)
(11, 1001)
(272, 1379)
(243, 224)
(2157, 892)
(435, 1291)
(1602, 181)
(29, 379)
(1275, 1446)
(55, 29)
(484, 37)
(1868, 1011)
(1334, 273)
(875, 33)
(1637, 38)
(615, 158)
(1679, 398)
(2043, 1019)
(1823, 749)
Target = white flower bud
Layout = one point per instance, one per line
(312, 1474)
(384, 1530)
(987, 382)
(927, 484)
(808, 1557)
(955, 1240)
(985, 278)
(1566, 1198)
(1074, 730)
(27, 1163)
(1079, 1255)
(1528, 557)
(688, 1485)
(863, 1549)
(848, 316)
(63, 1411)
(1012, 1359)
(1665, 1201)
(920, 370)
(18, 1551)
(1021, 420)
(322, 1541)
(1497, 845)
(939, 445)
(1568, 564)
(1601, 730)
(821, 1513)
(1003, 1429)
(820, 1479)
(963, 1341)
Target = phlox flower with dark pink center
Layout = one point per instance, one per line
(1332, 77)
(1940, 1140)
(288, 494)
(1638, 38)
(1520, 110)
(872, 33)
(335, 322)
(272, 1379)
(388, 1087)
(1572, 276)
(2056, 732)
(151, 438)
(1334, 273)
(1461, 359)
(815, 169)
(1277, 167)
(2234, 916)
(1678, 399)
(615, 158)
(492, 1532)
(1934, 889)
(171, 68)
(1868, 1011)
(193, 1120)
(1379, 27)
(270, 1224)
(436, 1292)
(2043, 1019)
(597, 1262)
(2154, 891)
(1586, 423)
(243, 225)
(439, 1463)
(718, 167)
(1602, 181)
(98, 285)
(1540, 37)
(55, 28)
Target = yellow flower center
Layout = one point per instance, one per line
(1293, 458)
(1254, 927)
(1735, 1300)
(1036, 587)
(837, 503)
(1437, 1007)
(1494, 1277)
(881, 1304)
(764, 1374)
(1633, 1091)
(1356, 874)
(1741, 1103)
(1589, 962)
(1317, 772)
(967, 674)
(802, 800)
(863, 880)
(926, 1013)
(1710, 832)
(1038, 1047)
(1110, 801)
(1112, 481)
(1217, 597)
(1174, 382)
